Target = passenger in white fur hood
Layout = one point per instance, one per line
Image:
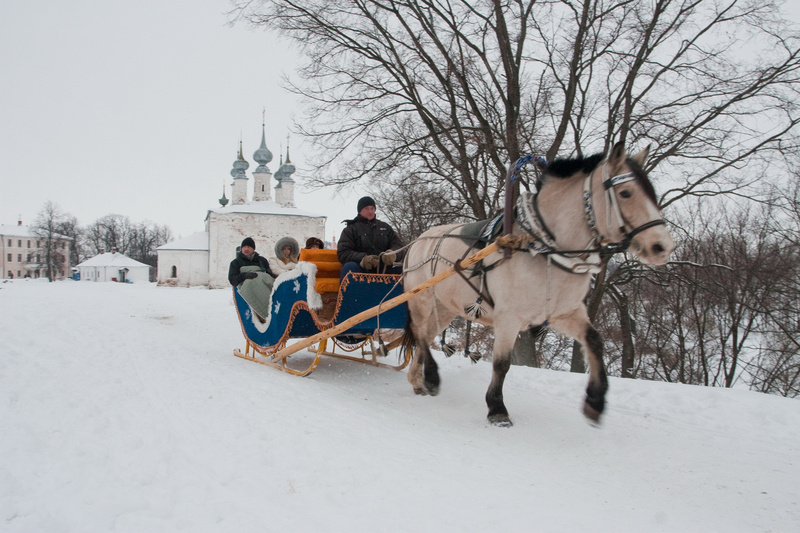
(286, 253)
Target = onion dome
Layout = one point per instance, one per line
(287, 169)
(223, 201)
(262, 156)
(240, 165)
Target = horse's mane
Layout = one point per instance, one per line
(566, 168)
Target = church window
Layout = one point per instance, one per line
(174, 271)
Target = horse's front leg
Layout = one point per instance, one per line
(504, 338)
(579, 328)
(596, 390)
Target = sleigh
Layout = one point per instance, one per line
(310, 300)
(343, 324)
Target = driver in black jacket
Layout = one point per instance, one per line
(368, 244)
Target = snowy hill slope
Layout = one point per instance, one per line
(122, 408)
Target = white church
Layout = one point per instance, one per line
(203, 257)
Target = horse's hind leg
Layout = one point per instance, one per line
(423, 373)
(425, 377)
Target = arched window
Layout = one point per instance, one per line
(174, 271)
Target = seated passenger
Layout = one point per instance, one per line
(314, 244)
(367, 244)
(286, 252)
(251, 274)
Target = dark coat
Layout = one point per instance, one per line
(234, 271)
(364, 237)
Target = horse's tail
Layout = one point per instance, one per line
(408, 337)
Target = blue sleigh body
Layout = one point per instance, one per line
(295, 313)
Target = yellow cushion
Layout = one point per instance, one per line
(315, 255)
(328, 267)
(327, 285)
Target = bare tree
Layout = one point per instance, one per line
(48, 222)
(138, 241)
(716, 315)
(413, 209)
(451, 93)
(145, 238)
(109, 233)
(69, 227)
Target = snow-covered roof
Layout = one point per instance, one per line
(113, 259)
(15, 230)
(267, 207)
(195, 241)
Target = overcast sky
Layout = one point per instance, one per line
(137, 107)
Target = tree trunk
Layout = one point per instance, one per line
(626, 329)
(525, 352)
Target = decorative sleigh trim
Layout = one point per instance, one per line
(312, 297)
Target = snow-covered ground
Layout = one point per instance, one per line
(122, 408)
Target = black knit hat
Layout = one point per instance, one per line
(364, 202)
(248, 241)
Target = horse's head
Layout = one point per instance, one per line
(633, 206)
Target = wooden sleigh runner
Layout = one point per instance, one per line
(309, 301)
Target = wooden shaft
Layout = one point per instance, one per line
(385, 306)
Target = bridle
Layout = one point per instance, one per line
(588, 260)
(609, 183)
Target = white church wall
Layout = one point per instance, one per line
(189, 266)
(227, 230)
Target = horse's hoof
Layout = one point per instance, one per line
(591, 414)
(420, 391)
(500, 421)
(431, 389)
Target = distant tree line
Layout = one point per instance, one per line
(138, 241)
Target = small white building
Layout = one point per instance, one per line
(114, 266)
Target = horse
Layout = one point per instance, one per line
(586, 209)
